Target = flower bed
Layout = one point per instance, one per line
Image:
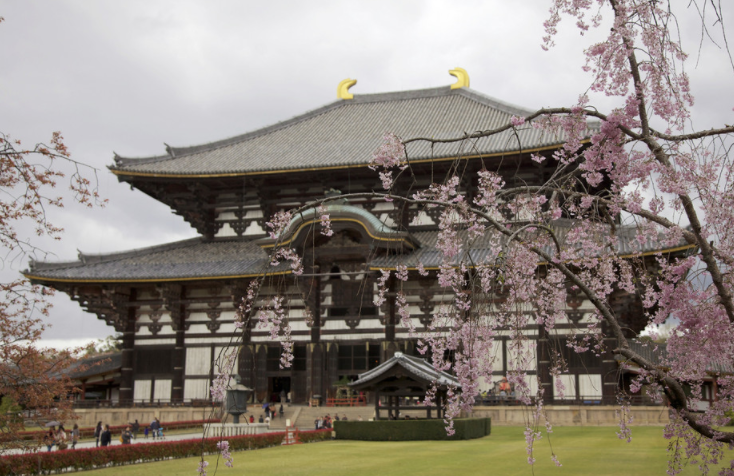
(88, 432)
(82, 459)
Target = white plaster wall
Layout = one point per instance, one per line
(569, 382)
(198, 360)
(221, 353)
(590, 386)
(514, 355)
(142, 343)
(162, 390)
(141, 389)
(196, 389)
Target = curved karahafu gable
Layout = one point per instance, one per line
(342, 216)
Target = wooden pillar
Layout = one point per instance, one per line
(315, 370)
(261, 376)
(246, 365)
(610, 373)
(332, 364)
(544, 365)
(314, 303)
(128, 352)
(179, 350)
(390, 316)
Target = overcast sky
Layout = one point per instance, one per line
(129, 76)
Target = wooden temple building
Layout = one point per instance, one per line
(175, 303)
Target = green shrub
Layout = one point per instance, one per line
(407, 430)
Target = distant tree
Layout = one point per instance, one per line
(32, 377)
(642, 166)
(104, 346)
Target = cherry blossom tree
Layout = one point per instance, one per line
(32, 378)
(639, 166)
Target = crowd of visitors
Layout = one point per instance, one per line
(326, 422)
(61, 439)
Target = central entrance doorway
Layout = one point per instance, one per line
(279, 387)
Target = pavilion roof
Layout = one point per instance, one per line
(345, 133)
(96, 365)
(415, 367)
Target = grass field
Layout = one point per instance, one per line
(582, 451)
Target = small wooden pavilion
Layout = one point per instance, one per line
(405, 377)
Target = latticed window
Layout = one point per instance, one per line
(153, 362)
(353, 357)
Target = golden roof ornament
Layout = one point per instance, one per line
(462, 76)
(342, 91)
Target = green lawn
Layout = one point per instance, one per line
(582, 451)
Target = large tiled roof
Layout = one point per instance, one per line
(200, 259)
(657, 354)
(346, 132)
(189, 259)
(479, 251)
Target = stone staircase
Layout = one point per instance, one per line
(290, 412)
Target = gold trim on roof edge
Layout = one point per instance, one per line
(332, 167)
(152, 280)
(282, 273)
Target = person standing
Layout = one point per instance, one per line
(61, 438)
(126, 436)
(97, 433)
(106, 437)
(154, 426)
(136, 429)
(49, 439)
(74, 436)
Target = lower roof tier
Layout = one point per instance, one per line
(202, 259)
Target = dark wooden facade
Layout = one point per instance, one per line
(175, 303)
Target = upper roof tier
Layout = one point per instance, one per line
(346, 132)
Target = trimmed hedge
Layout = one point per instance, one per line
(407, 430)
(45, 462)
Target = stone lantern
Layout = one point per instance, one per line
(237, 400)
